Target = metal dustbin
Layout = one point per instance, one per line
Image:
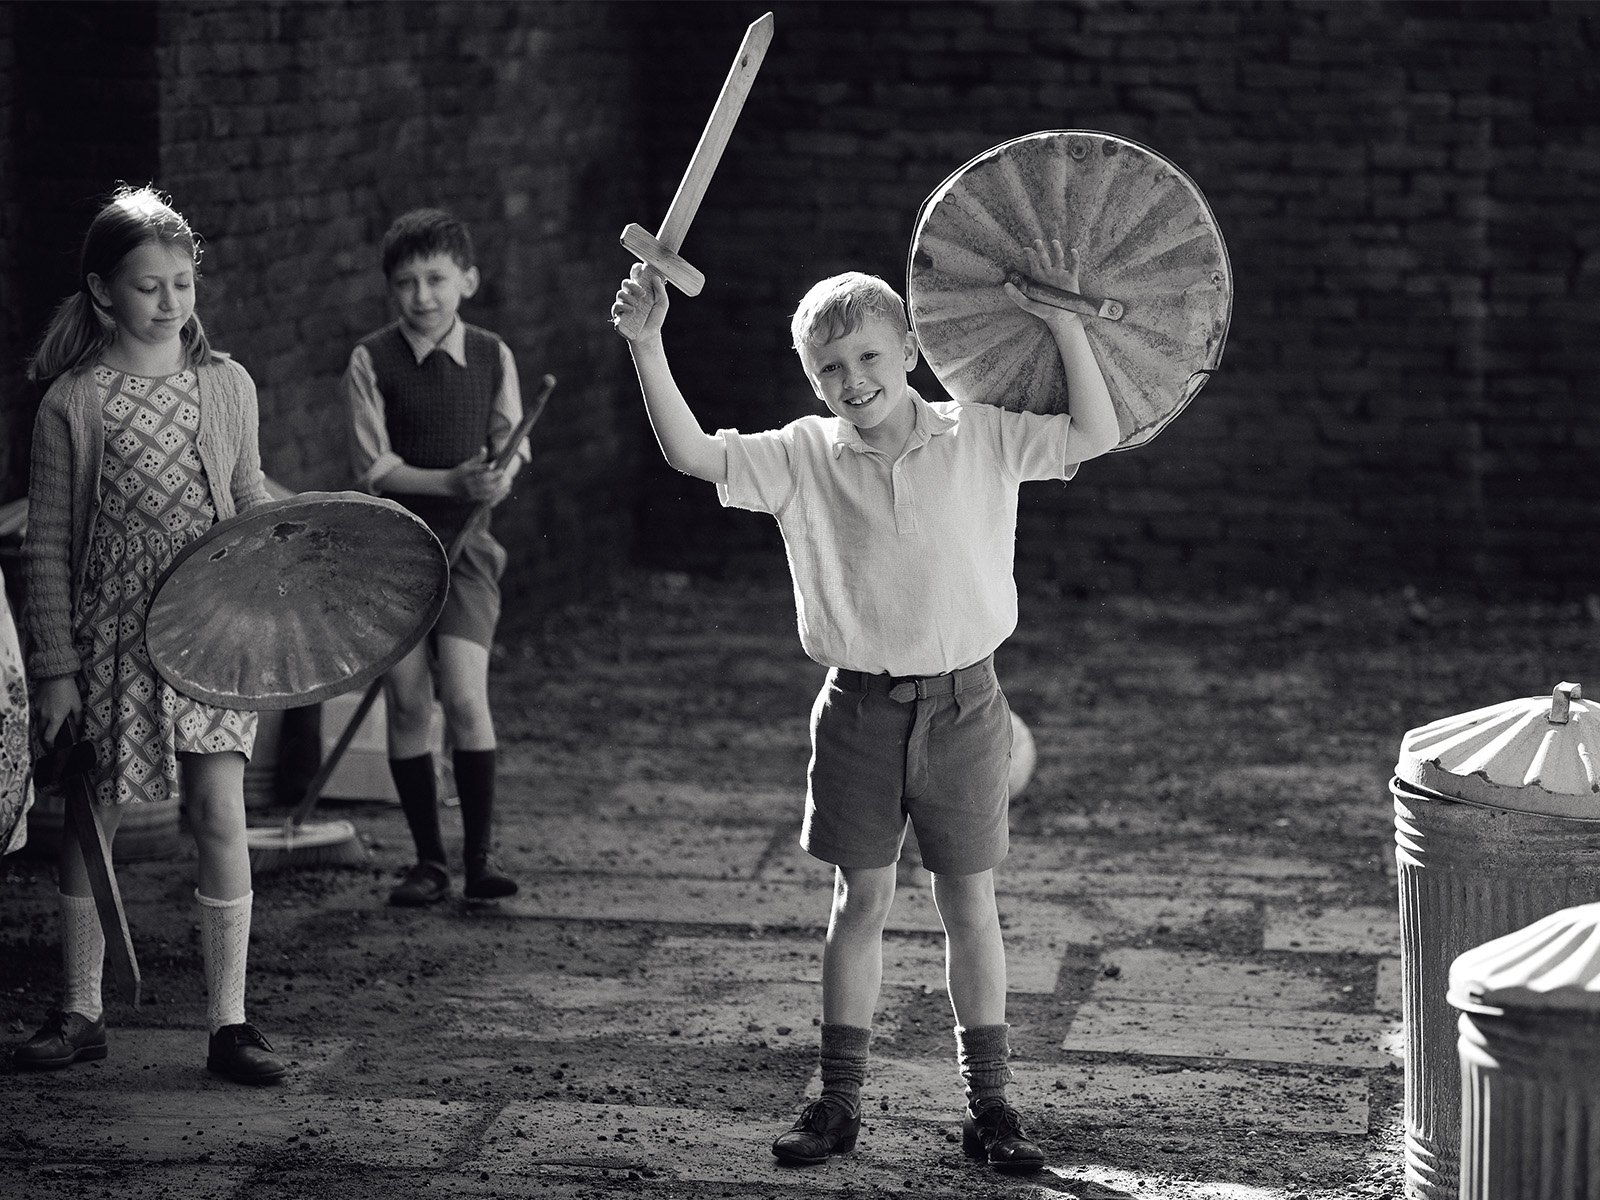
(1497, 824)
(1530, 1061)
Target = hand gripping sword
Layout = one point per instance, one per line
(660, 252)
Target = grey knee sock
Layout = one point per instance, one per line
(844, 1062)
(981, 1053)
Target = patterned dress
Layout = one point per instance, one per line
(154, 500)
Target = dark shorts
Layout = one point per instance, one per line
(472, 607)
(940, 761)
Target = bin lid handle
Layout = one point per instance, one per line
(1561, 702)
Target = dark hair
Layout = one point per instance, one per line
(80, 330)
(424, 232)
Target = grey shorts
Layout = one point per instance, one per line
(936, 752)
(472, 606)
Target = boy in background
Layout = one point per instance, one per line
(431, 398)
(899, 519)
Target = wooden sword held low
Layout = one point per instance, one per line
(68, 766)
(660, 252)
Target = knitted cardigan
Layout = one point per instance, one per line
(64, 493)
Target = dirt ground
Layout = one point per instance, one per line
(1186, 732)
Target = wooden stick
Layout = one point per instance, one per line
(69, 766)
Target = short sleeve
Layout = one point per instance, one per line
(1035, 445)
(760, 470)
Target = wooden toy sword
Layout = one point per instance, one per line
(661, 251)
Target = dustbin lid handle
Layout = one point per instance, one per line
(1561, 702)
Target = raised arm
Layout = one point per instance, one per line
(1088, 400)
(641, 305)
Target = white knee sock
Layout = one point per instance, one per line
(83, 955)
(225, 943)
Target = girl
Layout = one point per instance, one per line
(145, 438)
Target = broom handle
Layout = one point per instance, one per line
(507, 452)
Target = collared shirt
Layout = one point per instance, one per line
(371, 453)
(901, 567)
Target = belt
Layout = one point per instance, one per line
(903, 689)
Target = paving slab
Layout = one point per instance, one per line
(234, 1124)
(716, 991)
(1368, 930)
(1193, 977)
(1244, 1032)
(75, 1179)
(659, 846)
(692, 801)
(1037, 933)
(1131, 915)
(1046, 867)
(1115, 1094)
(1389, 992)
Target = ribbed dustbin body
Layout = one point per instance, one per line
(1529, 1048)
(1474, 865)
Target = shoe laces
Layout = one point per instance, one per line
(248, 1033)
(814, 1117)
(998, 1119)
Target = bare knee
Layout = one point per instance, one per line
(862, 898)
(966, 903)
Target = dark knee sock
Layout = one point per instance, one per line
(419, 800)
(844, 1062)
(981, 1053)
(475, 786)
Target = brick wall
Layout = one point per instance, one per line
(15, 412)
(1408, 192)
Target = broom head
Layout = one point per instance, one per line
(315, 843)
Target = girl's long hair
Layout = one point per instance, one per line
(80, 330)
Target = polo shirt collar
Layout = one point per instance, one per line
(453, 343)
(929, 425)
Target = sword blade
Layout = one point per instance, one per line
(714, 138)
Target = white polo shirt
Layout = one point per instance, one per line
(902, 567)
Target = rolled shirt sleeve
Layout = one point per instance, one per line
(371, 456)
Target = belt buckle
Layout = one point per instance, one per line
(903, 693)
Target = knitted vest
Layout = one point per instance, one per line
(437, 414)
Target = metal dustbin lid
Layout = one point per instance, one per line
(1551, 965)
(1536, 755)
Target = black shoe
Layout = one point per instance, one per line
(63, 1039)
(486, 881)
(826, 1126)
(426, 883)
(243, 1055)
(992, 1132)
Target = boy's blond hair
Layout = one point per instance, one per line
(838, 305)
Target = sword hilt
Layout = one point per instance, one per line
(667, 263)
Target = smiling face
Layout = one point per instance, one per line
(861, 375)
(429, 291)
(150, 297)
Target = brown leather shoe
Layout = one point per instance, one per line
(63, 1039)
(486, 881)
(243, 1055)
(826, 1126)
(426, 883)
(992, 1132)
